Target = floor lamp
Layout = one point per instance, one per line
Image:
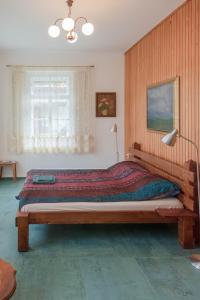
(170, 140)
(114, 130)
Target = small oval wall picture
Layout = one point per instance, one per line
(105, 104)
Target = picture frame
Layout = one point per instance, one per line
(163, 106)
(106, 104)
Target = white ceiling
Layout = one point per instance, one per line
(118, 23)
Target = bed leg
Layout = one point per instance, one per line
(186, 232)
(23, 231)
(196, 232)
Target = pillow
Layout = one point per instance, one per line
(157, 189)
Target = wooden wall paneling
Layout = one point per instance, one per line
(196, 66)
(171, 49)
(198, 69)
(190, 100)
(182, 66)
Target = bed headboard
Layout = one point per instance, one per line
(184, 176)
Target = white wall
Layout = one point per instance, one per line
(109, 76)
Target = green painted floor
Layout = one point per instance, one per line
(114, 262)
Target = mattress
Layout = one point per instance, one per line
(150, 205)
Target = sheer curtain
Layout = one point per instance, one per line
(52, 109)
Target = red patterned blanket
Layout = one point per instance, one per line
(125, 181)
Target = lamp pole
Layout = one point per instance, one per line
(114, 129)
(117, 148)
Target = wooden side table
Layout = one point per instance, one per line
(7, 280)
(9, 163)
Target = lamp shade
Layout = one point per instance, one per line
(68, 24)
(170, 138)
(72, 37)
(54, 31)
(88, 28)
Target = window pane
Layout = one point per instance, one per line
(60, 88)
(60, 110)
(41, 126)
(50, 105)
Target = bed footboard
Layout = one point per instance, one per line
(22, 222)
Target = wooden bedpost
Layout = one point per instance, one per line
(134, 146)
(137, 146)
(186, 221)
(23, 231)
(186, 231)
(191, 166)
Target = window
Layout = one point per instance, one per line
(54, 110)
(50, 101)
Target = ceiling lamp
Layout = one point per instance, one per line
(69, 25)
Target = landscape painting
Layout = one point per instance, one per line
(163, 106)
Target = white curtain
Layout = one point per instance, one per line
(52, 110)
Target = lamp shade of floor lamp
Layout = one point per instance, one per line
(170, 140)
(114, 130)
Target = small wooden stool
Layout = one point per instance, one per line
(9, 163)
(7, 280)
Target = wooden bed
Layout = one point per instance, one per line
(186, 218)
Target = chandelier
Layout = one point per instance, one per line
(70, 26)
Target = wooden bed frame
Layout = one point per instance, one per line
(186, 218)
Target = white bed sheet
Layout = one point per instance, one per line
(150, 205)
